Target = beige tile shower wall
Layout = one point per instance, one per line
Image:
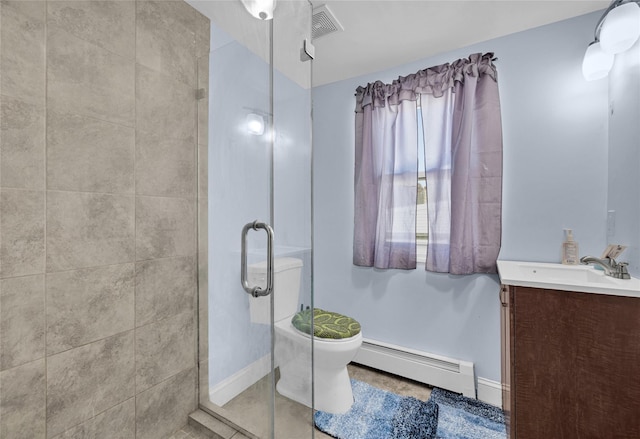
(102, 184)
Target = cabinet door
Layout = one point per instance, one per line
(505, 341)
(576, 365)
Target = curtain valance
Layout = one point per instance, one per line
(433, 80)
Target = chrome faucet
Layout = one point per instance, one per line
(609, 265)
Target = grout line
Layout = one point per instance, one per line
(46, 186)
(23, 364)
(92, 417)
(167, 75)
(92, 267)
(91, 342)
(196, 223)
(21, 189)
(163, 258)
(2, 278)
(120, 194)
(61, 28)
(135, 218)
(68, 112)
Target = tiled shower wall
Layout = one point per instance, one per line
(100, 132)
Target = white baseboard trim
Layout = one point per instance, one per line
(434, 370)
(230, 387)
(490, 392)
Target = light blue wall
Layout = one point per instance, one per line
(555, 176)
(624, 155)
(239, 192)
(233, 152)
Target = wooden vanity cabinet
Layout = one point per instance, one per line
(570, 364)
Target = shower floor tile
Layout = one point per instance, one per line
(294, 421)
(188, 432)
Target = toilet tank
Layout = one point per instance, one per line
(286, 289)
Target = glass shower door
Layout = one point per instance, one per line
(259, 167)
(292, 196)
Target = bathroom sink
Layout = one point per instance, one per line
(565, 274)
(582, 278)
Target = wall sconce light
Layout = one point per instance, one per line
(597, 63)
(255, 124)
(261, 9)
(617, 31)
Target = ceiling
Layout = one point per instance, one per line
(380, 34)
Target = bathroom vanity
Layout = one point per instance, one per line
(570, 352)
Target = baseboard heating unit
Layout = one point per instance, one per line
(434, 370)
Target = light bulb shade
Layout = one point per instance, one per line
(621, 28)
(261, 9)
(596, 63)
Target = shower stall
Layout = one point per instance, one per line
(255, 205)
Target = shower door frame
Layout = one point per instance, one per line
(233, 420)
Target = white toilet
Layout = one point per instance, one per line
(293, 347)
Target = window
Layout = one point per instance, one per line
(463, 138)
(422, 223)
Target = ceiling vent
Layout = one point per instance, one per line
(324, 22)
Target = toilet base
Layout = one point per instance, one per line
(332, 392)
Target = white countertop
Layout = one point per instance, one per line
(582, 278)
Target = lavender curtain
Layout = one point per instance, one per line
(463, 150)
(476, 180)
(386, 185)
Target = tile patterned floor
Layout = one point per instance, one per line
(294, 421)
(188, 432)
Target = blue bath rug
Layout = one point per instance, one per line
(464, 418)
(378, 414)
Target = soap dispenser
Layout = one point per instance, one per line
(570, 253)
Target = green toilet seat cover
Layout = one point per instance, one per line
(326, 324)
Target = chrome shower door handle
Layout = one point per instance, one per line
(256, 291)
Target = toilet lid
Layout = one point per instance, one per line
(326, 324)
